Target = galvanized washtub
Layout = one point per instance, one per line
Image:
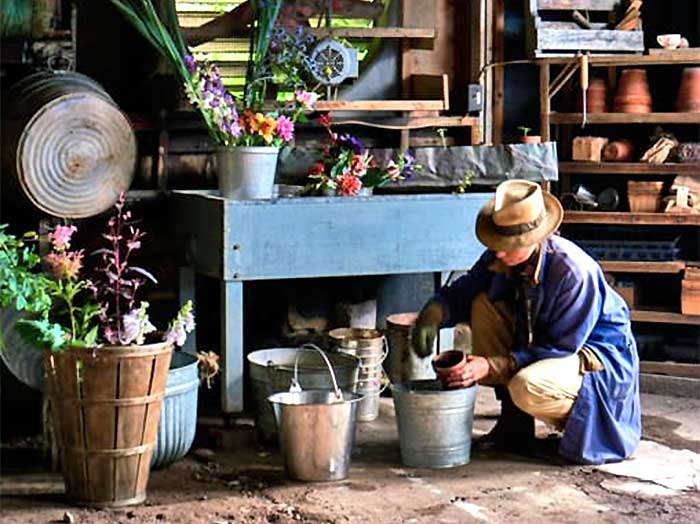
(66, 146)
(272, 370)
(178, 414)
(24, 361)
(435, 425)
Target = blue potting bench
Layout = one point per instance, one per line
(237, 241)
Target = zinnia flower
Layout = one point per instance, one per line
(285, 128)
(349, 185)
(60, 238)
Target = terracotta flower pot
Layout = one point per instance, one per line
(596, 97)
(688, 99)
(530, 139)
(618, 151)
(633, 94)
(448, 362)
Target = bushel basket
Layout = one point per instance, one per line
(105, 406)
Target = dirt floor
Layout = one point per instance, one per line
(233, 480)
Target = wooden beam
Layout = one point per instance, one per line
(591, 5)
(678, 57)
(663, 317)
(624, 266)
(675, 369)
(379, 105)
(411, 122)
(373, 32)
(593, 217)
(628, 168)
(499, 16)
(626, 118)
(545, 102)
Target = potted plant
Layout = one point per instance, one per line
(23, 294)
(105, 379)
(248, 139)
(526, 138)
(347, 169)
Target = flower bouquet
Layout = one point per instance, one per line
(248, 137)
(105, 379)
(347, 169)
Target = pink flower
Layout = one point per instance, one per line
(393, 170)
(306, 98)
(285, 128)
(349, 185)
(317, 169)
(60, 238)
(325, 120)
(358, 166)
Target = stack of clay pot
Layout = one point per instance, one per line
(596, 97)
(689, 93)
(633, 94)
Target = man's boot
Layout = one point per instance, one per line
(514, 431)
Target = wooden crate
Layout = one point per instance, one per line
(565, 37)
(588, 148)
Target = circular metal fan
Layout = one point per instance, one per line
(331, 62)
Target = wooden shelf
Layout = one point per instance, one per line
(670, 368)
(628, 168)
(372, 32)
(679, 57)
(380, 105)
(663, 317)
(660, 219)
(410, 122)
(625, 118)
(624, 266)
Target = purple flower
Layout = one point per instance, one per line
(190, 63)
(351, 142)
(136, 325)
(183, 324)
(409, 165)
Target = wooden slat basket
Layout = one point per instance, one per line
(105, 406)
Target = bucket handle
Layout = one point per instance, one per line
(295, 386)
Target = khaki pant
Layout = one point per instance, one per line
(546, 389)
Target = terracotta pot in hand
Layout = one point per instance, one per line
(689, 92)
(633, 94)
(447, 363)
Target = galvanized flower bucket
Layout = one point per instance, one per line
(316, 429)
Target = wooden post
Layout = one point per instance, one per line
(498, 73)
(545, 106)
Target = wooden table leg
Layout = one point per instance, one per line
(232, 346)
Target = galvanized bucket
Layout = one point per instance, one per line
(247, 173)
(403, 365)
(272, 371)
(435, 426)
(24, 361)
(316, 429)
(178, 414)
(370, 346)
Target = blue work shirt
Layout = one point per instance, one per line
(572, 306)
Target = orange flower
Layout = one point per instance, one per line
(267, 127)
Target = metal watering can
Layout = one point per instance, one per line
(316, 427)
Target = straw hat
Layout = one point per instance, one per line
(519, 215)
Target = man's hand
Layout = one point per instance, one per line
(426, 328)
(477, 369)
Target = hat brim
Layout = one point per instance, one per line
(487, 234)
